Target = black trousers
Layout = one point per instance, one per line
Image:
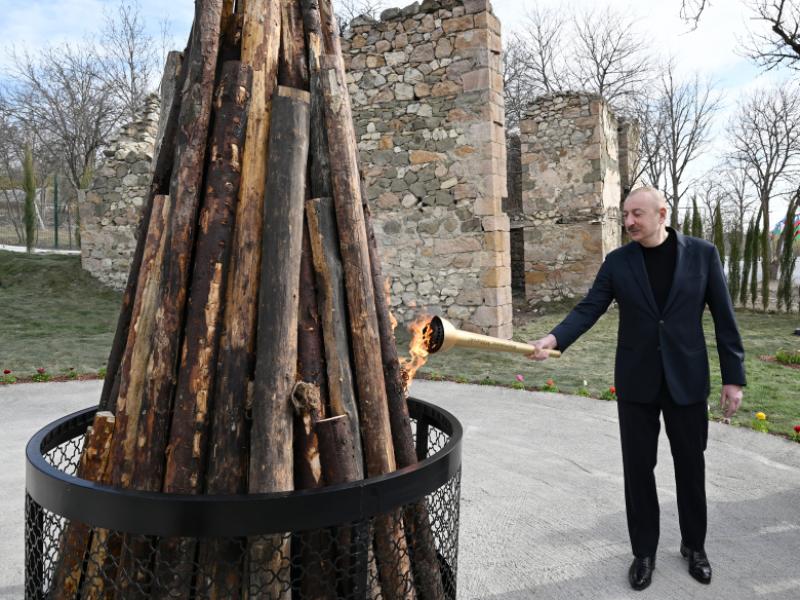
(687, 430)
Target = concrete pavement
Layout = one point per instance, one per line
(542, 511)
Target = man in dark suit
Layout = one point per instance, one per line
(662, 282)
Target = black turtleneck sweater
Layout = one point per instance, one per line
(660, 264)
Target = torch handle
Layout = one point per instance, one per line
(486, 342)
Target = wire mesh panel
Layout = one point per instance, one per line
(348, 558)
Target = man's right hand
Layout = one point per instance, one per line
(548, 342)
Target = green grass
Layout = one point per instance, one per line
(772, 388)
(53, 315)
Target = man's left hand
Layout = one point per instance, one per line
(730, 399)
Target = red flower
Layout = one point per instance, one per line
(613, 390)
(40, 370)
(550, 382)
(797, 429)
(6, 372)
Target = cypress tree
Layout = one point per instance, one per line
(719, 238)
(754, 263)
(734, 267)
(686, 228)
(748, 257)
(765, 274)
(29, 186)
(788, 259)
(697, 222)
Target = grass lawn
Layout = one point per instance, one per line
(54, 315)
(772, 388)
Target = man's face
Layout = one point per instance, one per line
(643, 217)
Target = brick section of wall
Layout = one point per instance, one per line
(570, 193)
(428, 107)
(113, 207)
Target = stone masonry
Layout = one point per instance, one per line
(113, 207)
(428, 107)
(570, 193)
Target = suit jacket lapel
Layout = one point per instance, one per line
(680, 259)
(636, 260)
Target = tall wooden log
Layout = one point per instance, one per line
(185, 186)
(391, 547)
(137, 348)
(292, 60)
(333, 314)
(227, 473)
(319, 167)
(271, 466)
(341, 463)
(162, 172)
(427, 573)
(186, 452)
(75, 538)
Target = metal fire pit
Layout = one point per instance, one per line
(218, 529)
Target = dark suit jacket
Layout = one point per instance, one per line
(668, 343)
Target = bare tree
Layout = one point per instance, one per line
(782, 45)
(533, 64)
(347, 10)
(608, 56)
(736, 181)
(60, 98)
(765, 136)
(782, 17)
(651, 164)
(130, 56)
(688, 108)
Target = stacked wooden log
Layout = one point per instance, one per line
(254, 350)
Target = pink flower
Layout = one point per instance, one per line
(550, 382)
(520, 378)
(40, 370)
(613, 390)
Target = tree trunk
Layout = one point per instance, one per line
(392, 552)
(271, 465)
(75, 538)
(227, 469)
(333, 313)
(186, 453)
(427, 575)
(292, 61)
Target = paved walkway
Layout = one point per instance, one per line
(542, 512)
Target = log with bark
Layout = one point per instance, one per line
(391, 548)
(75, 538)
(187, 449)
(271, 465)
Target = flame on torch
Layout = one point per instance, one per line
(417, 349)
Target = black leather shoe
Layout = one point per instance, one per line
(699, 567)
(641, 572)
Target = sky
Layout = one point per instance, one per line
(710, 50)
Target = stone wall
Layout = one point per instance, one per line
(570, 193)
(428, 107)
(113, 206)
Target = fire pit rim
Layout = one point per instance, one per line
(184, 515)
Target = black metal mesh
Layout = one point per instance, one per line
(382, 557)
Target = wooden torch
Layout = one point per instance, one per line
(440, 335)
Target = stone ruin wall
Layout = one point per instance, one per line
(112, 209)
(427, 98)
(570, 190)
